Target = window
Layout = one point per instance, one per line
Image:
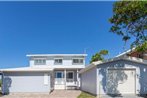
(69, 75)
(58, 61)
(40, 62)
(59, 74)
(77, 61)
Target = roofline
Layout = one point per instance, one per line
(123, 53)
(30, 55)
(29, 69)
(128, 58)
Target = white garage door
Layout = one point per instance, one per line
(26, 82)
(121, 81)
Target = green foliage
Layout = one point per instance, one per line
(85, 95)
(142, 48)
(103, 52)
(129, 20)
(99, 56)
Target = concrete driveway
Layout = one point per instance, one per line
(123, 96)
(54, 94)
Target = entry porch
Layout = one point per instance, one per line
(66, 79)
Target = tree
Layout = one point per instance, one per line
(142, 49)
(129, 20)
(99, 56)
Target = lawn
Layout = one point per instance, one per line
(85, 95)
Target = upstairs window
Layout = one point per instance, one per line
(58, 61)
(40, 62)
(78, 61)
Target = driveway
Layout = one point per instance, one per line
(123, 96)
(54, 94)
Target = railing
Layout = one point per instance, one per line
(59, 81)
(69, 82)
(73, 83)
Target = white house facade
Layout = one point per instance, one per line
(45, 73)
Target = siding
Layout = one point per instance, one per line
(88, 81)
(67, 61)
(25, 82)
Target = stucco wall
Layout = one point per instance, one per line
(25, 82)
(88, 81)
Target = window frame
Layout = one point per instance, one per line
(58, 63)
(62, 74)
(78, 62)
(43, 61)
(67, 75)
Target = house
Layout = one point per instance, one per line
(45, 73)
(118, 76)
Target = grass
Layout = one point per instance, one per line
(85, 95)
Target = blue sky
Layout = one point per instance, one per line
(54, 27)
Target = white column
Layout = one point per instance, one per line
(65, 77)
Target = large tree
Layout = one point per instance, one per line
(129, 20)
(99, 56)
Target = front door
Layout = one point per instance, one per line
(59, 80)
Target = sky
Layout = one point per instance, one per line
(55, 28)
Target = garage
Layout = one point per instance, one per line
(117, 76)
(121, 81)
(26, 80)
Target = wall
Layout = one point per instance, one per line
(25, 82)
(141, 73)
(67, 62)
(88, 81)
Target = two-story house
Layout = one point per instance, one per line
(45, 73)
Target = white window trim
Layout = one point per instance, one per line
(70, 72)
(78, 63)
(38, 63)
(58, 63)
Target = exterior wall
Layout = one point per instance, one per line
(141, 73)
(95, 80)
(67, 62)
(89, 81)
(25, 82)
